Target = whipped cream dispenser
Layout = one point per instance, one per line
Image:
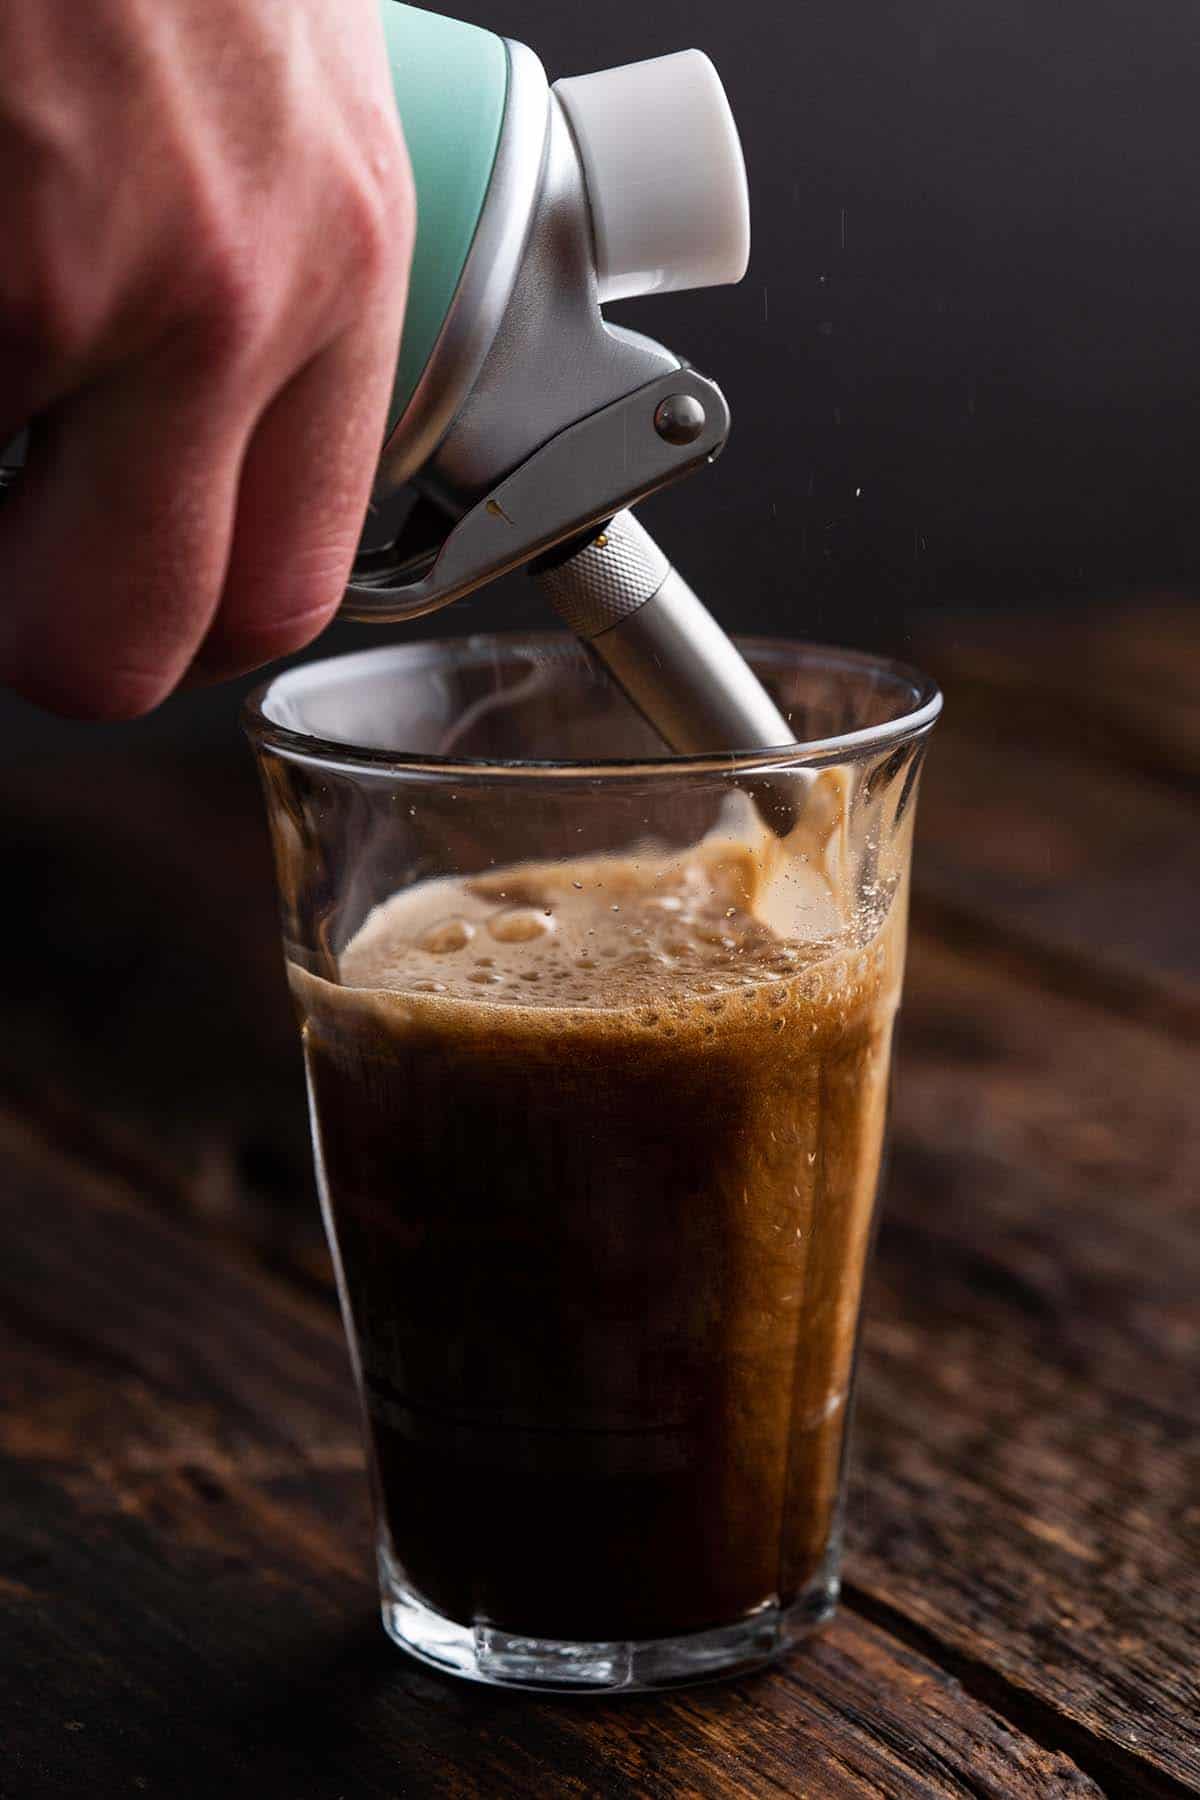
(527, 423)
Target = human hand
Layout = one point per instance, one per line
(209, 218)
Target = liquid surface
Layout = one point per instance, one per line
(599, 1145)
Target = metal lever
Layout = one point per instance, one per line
(615, 457)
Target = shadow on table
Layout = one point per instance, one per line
(352, 1708)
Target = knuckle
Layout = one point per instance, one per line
(376, 211)
(228, 297)
(366, 233)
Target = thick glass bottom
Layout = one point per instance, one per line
(485, 1653)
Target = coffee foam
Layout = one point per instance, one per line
(720, 937)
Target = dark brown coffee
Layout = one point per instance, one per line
(600, 1145)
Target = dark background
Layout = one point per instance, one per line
(964, 367)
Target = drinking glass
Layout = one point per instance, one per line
(600, 1221)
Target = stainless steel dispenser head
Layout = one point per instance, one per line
(567, 421)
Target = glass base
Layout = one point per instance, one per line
(484, 1653)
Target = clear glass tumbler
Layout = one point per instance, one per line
(598, 1046)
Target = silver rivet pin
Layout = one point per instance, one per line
(680, 419)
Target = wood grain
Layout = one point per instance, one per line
(185, 1568)
(1119, 685)
(1028, 1459)
(1040, 827)
(185, 1576)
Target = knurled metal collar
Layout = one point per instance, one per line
(607, 580)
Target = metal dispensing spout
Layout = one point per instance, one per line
(534, 423)
(621, 597)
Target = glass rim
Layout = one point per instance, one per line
(332, 753)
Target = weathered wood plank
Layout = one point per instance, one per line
(1060, 800)
(1119, 684)
(1028, 1460)
(185, 1591)
(1098, 866)
(1026, 1481)
(147, 1018)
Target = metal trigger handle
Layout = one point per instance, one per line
(615, 457)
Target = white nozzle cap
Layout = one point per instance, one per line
(665, 175)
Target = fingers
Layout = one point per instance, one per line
(26, 387)
(305, 486)
(221, 186)
(114, 547)
(147, 540)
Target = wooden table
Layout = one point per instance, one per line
(184, 1573)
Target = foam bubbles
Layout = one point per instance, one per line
(447, 935)
(520, 925)
(671, 945)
